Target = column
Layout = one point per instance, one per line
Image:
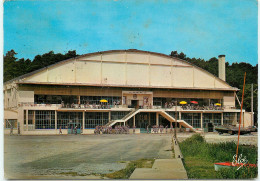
(109, 116)
(83, 120)
(201, 120)
(124, 123)
(78, 100)
(157, 119)
(134, 121)
(55, 119)
(26, 119)
(222, 122)
(149, 119)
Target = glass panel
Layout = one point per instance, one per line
(44, 119)
(93, 119)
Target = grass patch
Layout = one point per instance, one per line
(199, 159)
(73, 174)
(131, 166)
(173, 153)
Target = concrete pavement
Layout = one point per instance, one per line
(163, 168)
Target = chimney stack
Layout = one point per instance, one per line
(221, 67)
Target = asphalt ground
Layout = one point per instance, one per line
(78, 156)
(87, 156)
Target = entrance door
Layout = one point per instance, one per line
(71, 128)
(135, 104)
(210, 127)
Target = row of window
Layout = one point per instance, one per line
(157, 101)
(46, 119)
(57, 99)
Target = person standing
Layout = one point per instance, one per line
(134, 129)
(75, 129)
(71, 129)
(147, 129)
(11, 130)
(166, 127)
(60, 131)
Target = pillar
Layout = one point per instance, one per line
(83, 121)
(109, 116)
(157, 119)
(149, 119)
(134, 120)
(78, 100)
(55, 119)
(222, 122)
(26, 119)
(201, 120)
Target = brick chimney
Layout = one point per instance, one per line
(221, 67)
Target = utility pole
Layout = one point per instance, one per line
(252, 101)
(175, 129)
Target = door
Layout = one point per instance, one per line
(71, 128)
(135, 104)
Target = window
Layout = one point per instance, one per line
(217, 119)
(24, 117)
(92, 119)
(118, 114)
(207, 118)
(9, 122)
(30, 116)
(64, 118)
(44, 119)
(96, 99)
(172, 114)
(228, 118)
(187, 117)
(196, 120)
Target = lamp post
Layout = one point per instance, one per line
(175, 129)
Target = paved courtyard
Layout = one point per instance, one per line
(78, 156)
(87, 156)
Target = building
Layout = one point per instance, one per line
(137, 87)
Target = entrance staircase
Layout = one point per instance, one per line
(160, 111)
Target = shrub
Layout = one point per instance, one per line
(233, 173)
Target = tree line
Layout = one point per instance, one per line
(234, 77)
(14, 67)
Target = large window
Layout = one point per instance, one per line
(55, 99)
(142, 120)
(96, 99)
(228, 118)
(64, 118)
(192, 118)
(217, 119)
(207, 118)
(118, 114)
(30, 116)
(187, 117)
(11, 122)
(196, 120)
(44, 119)
(92, 119)
(172, 114)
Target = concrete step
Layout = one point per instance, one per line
(162, 169)
(166, 164)
(149, 173)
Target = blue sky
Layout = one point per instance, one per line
(199, 28)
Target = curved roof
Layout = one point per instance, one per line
(125, 68)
